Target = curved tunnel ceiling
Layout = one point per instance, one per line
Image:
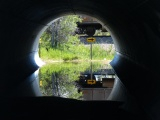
(134, 26)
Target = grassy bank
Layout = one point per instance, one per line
(77, 52)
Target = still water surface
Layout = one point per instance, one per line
(58, 79)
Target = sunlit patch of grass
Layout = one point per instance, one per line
(77, 52)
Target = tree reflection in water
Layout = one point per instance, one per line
(58, 79)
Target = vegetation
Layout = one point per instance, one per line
(59, 42)
(79, 52)
(63, 75)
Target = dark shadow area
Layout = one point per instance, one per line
(134, 27)
(46, 107)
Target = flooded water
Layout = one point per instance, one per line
(61, 78)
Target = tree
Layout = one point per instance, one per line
(59, 32)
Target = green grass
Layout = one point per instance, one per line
(77, 52)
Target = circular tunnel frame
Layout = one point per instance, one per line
(134, 27)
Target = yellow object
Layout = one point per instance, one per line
(40, 83)
(91, 39)
(91, 82)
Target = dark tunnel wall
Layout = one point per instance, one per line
(134, 26)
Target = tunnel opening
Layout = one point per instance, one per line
(65, 43)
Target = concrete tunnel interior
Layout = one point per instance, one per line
(134, 27)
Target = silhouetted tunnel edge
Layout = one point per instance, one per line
(134, 27)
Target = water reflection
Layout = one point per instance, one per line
(77, 80)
